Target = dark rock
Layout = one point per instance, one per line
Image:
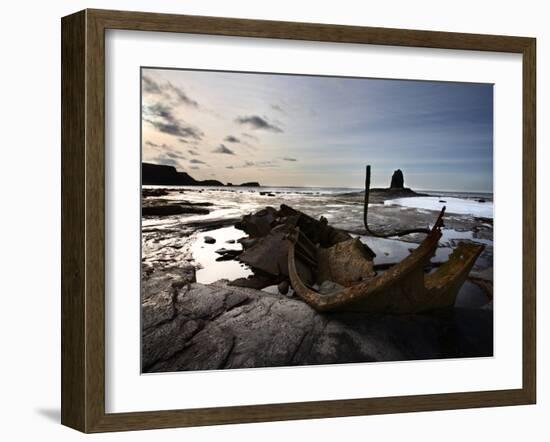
(283, 287)
(250, 184)
(257, 281)
(172, 209)
(397, 180)
(157, 174)
(209, 240)
(218, 326)
(211, 183)
(153, 192)
(227, 254)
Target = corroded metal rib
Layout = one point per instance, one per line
(404, 288)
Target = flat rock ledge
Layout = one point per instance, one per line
(189, 326)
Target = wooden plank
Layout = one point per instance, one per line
(73, 214)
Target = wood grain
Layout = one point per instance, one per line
(73, 213)
(83, 219)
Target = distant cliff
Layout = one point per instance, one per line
(156, 174)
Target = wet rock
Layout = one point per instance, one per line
(227, 254)
(209, 240)
(146, 193)
(283, 287)
(256, 281)
(158, 291)
(172, 209)
(218, 326)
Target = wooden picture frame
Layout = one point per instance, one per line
(83, 220)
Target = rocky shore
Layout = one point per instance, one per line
(192, 325)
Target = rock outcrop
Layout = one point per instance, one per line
(190, 326)
(163, 207)
(397, 180)
(157, 174)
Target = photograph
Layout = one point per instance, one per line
(302, 220)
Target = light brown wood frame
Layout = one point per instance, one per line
(83, 220)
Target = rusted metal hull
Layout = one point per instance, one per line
(403, 288)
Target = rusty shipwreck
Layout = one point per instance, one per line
(333, 271)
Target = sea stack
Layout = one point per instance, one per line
(397, 180)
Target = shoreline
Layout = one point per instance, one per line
(173, 273)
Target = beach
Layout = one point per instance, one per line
(194, 319)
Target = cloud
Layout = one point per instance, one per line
(231, 139)
(229, 167)
(193, 152)
(194, 167)
(222, 148)
(290, 159)
(150, 86)
(252, 137)
(164, 161)
(278, 108)
(168, 91)
(257, 164)
(158, 146)
(195, 161)
(181, 96)
(175, 155)
(257, 122)
(162, 118)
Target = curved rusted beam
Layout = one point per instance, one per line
(404, 288)
(372, 295)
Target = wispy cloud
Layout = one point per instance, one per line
(252, 137)
(162, 118)
(278, 108)
(150, 86)
(257, 122)
(167, 91)
(289, 159)
(222, 148)
(195, 161)
(181, 96)
(257, 164)
(164, 161)
(231, 139)
(193, 152)
(177, 155)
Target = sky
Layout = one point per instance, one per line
(294, 130)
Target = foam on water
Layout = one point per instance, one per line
(460, 206)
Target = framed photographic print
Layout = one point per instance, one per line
(270, 220)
